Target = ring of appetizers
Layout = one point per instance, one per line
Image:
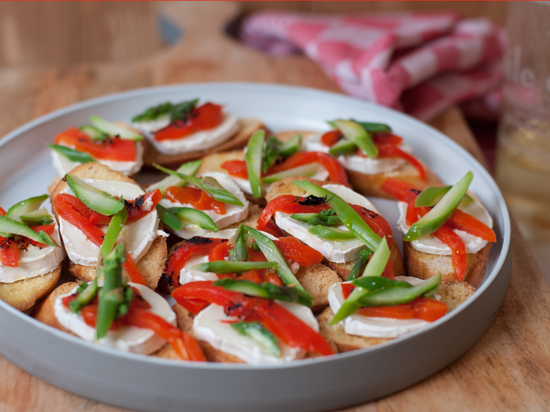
(267, 243)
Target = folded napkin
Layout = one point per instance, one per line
(420, 63)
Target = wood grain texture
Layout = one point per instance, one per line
(506, 370)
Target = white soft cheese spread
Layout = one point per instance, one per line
(63, 165)
(208, 326)
(201, 140)
(373, 327)
(333, 250)
(233, 213)
(127, 338)
(137, 236)
(189, 274)
(430, 244)
(365, 165)
(34, 261)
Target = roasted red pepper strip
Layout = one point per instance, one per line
(389, 150)
(337, 173)
(136, 208)
(466, 222)
(335, 170)
(204, 117)
(455, 243)
(376, 222)
(425, 309)
(387, 138)
(196, 197)
(331, 138)
(420, 308)
(279, 321)
(68, 208)
(399, 189)
(287, 204)
(236, 168)
(9, 251)
(184, 252)
(298, 252)
(111, 149)
(184, 344)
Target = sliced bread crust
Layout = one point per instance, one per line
(425, 265)
(24, 294)
(151, 265)
(451, 293)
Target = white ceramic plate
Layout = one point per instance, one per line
(148, 383)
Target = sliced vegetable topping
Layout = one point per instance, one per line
(175, 111)
(331, 233)
(349, 217)
(112, 129)
(259, 334)
(283, 324)
(273, 254)
(25, 206)
(358, 135)
(71, 154)
(373, 127)
(207, 184)
(189, 169)
(97, 200)
(187, 119)
(305, 170)
(239, 253)
(264, 290)
(94, 133)
(359, 265)
(8, 225)
(274, 149)
(194, 217)
(326, 218)
(432, 195)
(254, 159)
(169, 219)
(37, 218)
(222, 267)
(441, 212)
(114, 229)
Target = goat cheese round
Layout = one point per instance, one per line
(201, 140)
(365, 165)
(63, 165)
(127, 338)
(373, 327)
(34, 261)
(430, 244)
(333, 250)
(137, 236)
(233, 213)
(209, 326)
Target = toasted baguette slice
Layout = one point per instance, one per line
(425, 265)
(45, 313)
(151, 265)
(452, 293)
(23, 294)
(286, 187)
(247, 129)
(369, 184)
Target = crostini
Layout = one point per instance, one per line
(196, 205)
(370, 152)
(291, 262)
(371, 309)
(446, 231)
(31, 253)
(239, 321)
(84, 203)
(270, 160)
(313, 218)
(124, 316)
(177, 133)
(116, 145)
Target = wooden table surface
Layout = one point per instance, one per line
(508, 369)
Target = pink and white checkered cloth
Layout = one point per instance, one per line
(420, 63)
